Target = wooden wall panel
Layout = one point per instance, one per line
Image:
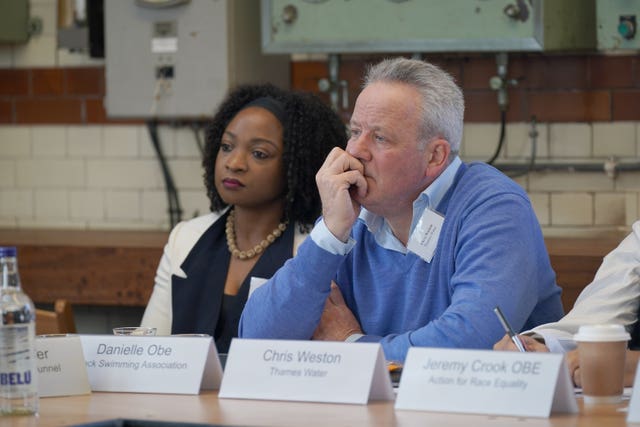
(89, 276)
(107, 270)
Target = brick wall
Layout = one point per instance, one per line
(64, 164)
(52, 95)
(553, 88)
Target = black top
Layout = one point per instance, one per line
(198, 301)
(228, 320)
(634, 344)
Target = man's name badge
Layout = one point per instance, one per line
(312, 371)
(486, 382)
(424, 239)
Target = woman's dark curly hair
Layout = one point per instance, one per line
(310, 131)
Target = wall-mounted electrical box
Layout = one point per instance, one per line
(617, 23)
(343, 26)
(174, 58)
(14, 21)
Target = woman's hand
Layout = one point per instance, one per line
(573, 363)
(630, 365)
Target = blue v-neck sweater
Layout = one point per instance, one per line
(490, 253)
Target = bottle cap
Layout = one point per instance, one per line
(8, 251)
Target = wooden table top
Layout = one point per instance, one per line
(206, 408)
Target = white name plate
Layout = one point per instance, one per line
(634, 403)
(312, 371)
(60, 362)
(485, 382)
(163, 364)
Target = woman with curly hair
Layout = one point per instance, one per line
(263, 149)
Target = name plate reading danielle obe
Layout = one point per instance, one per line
(485, 382)
(157, 364)
(60, 362)
(311, 371)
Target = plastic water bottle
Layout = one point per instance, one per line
(18, 373)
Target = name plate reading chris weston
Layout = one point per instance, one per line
(485, 382)
(61, 370)
(158, 364)
(312, 371)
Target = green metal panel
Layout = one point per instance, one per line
(614, 20)
(14, 21)
(336, 26)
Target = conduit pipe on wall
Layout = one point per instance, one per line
(609, 167)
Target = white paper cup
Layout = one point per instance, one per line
(602, 351)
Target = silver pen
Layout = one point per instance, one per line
(509, 330)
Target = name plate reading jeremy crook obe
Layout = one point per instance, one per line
(61, 370)
(485, 382)
(312, 371)
(157, 364)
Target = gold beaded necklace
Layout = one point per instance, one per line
(257, 249)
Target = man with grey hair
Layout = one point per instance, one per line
(414, 247)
